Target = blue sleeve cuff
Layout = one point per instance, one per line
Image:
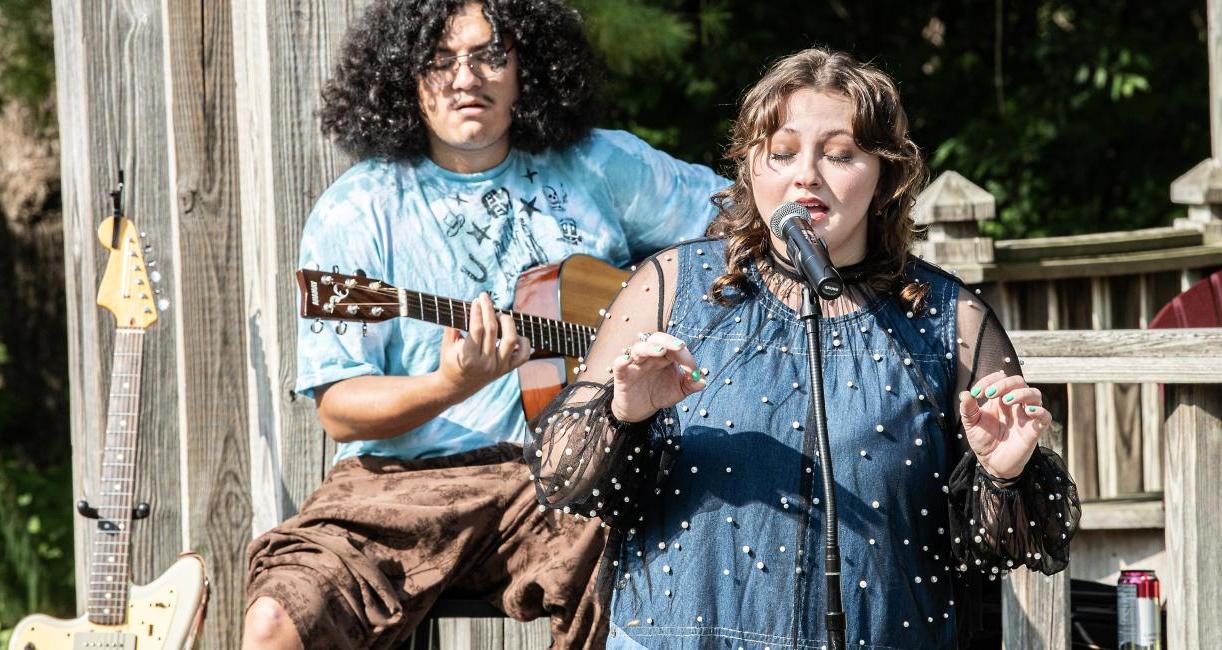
(307, 382)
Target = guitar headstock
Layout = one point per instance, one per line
(126, 289)
(335, 296)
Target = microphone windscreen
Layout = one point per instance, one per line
(783, 212)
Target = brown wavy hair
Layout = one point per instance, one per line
(880, 127)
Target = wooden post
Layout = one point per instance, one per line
(1035, 607)
(1193, 489)
(951, 207)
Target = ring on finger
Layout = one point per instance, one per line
(644, 336)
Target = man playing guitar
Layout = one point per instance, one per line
(472, 122)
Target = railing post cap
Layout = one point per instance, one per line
(1201, 185)
(953, 198)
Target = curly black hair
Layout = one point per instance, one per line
(370, 106)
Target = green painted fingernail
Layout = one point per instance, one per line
(976, 392)
(1008, 398)
(657, 348)
(1031, 409)
(991, 391)
(696, 375)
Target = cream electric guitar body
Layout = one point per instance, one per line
(167, 612)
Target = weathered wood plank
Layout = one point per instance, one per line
(1171, 259)
(1178, 344)
(1163, 356)
(80, 173)
(1100, 555)
(1193, 488)
(284, 55)
(1035, 607)
(208, 231)
(535, 635)
(1105, 404)
(1104, 243)
(1124, 369)
(1074, 314)
(109, 120)
(1125, 298)
(1119, 514)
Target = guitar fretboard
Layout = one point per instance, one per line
(559, 337)
(110, 572)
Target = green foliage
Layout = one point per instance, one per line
(36, 568)
(27, 71)
(36, 542)
(36, 571)
(1079, 125)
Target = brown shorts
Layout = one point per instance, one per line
(382, 539)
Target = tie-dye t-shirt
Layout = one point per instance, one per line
(423, 228)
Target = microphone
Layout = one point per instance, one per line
(811, 259)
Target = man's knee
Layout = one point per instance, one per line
(267, 625)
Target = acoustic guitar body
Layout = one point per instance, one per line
(573, 291)
(165, 613)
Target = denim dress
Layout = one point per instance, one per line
(724, 546)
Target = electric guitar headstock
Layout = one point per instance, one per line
(128, 286)
(336, 296)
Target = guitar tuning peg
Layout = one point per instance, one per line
(316, 326)
(148, 248)
(341, 328)
(151, 263)
(143, 234)
(155, 277)
(163, 304)
(364, 329)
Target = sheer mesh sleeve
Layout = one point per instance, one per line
(582, 459)
(1028, 520)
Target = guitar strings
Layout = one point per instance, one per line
(569, 339)
(108, 586)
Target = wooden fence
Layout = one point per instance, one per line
(209, 108)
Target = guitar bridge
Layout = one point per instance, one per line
(104, 641)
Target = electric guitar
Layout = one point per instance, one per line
(167, 612)
(556, 307)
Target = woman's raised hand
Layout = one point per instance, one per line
(655, 372)
(1002, 419)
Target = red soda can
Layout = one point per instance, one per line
(1138, 611)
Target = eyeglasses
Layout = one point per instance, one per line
(484, 63)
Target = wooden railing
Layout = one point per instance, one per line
(1135, 406)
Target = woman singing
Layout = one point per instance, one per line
(688, 431)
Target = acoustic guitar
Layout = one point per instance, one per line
(167, 612)
(556, 307)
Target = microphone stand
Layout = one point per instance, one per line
(811, 314)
